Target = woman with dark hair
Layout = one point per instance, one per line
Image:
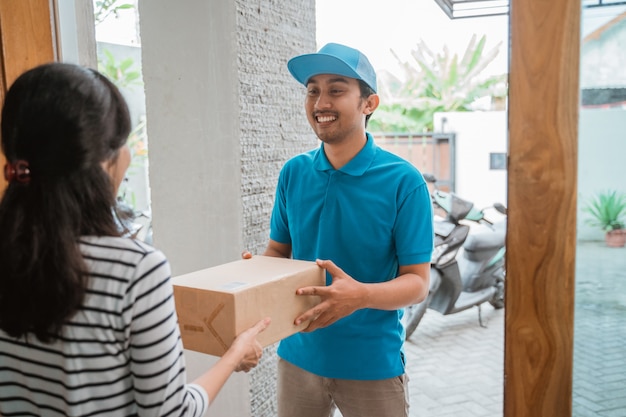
(87, 318)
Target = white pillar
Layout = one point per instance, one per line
(189, 59)
(190, 73)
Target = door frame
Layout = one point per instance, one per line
(542, 190)
(27, 38)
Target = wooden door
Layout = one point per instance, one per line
(27, 39)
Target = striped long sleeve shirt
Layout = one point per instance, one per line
(120, 355)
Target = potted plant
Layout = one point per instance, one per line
(607, 210)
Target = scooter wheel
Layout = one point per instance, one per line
(413, 315)
(498, 298)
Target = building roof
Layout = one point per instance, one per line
(597, 34)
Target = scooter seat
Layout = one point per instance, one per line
(483, 238)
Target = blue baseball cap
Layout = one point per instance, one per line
(336, 59)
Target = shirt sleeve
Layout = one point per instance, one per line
(414, 234)
(156, 351)
(279, 223)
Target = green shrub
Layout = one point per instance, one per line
(607, 210)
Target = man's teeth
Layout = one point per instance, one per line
(323, 119)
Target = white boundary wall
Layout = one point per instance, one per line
(601, 156)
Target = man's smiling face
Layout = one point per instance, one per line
(335, 108)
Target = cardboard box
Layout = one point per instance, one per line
(214, 305)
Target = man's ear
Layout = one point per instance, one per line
(371, 104)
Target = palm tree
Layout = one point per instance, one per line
(435, 83)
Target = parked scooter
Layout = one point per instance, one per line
(467, 266)
(133, 223)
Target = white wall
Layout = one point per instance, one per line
(191, 86)
(477, 135)
(601, 157)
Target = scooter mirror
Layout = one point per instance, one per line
(429, 178)
(500, 207)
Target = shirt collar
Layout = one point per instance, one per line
(357, 165)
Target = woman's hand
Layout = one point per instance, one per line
(243, 355)
(247, 348)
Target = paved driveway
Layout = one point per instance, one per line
(600, 331)
(455, 366)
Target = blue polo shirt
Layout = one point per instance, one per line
(368, 217)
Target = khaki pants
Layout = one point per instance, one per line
(303, 394)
